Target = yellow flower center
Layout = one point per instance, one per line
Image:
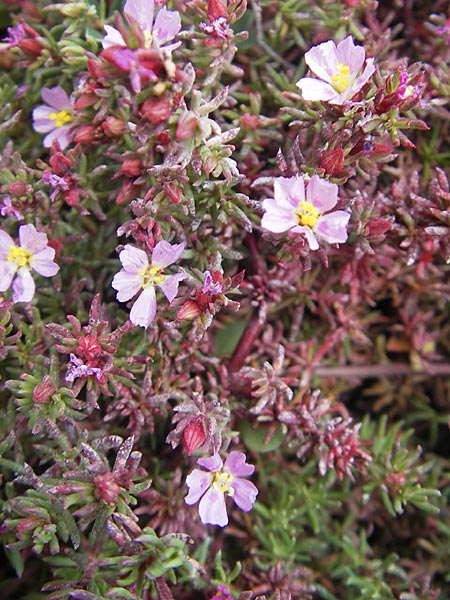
(340, 80)
(150, 275)
(148, 38)
(307, 214)
(221, 482)
(61, 118)
(19, 256)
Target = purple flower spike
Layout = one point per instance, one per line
(55, 118)
(308, 213)
(339, 69)
(210, 486)
(17, 262)
(139, 276)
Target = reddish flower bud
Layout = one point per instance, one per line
(72, 196)
(60, 164)
(31, 47)
(85, 134)
(193, 436)
(131, 167)
(332, 161)
(113, 127)
(18, 188)
(156, 110)
(106, 487)
(88, 348)
(43, 391)
(173, 192)
(187, 124)
(249, 121)
(85, 100)
(189, 311)
(376, 229)
(216, 9)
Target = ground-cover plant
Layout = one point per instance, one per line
(225, 297)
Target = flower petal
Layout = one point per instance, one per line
(126, 284)
(140, 12)
(309, 235)
(212, 508)
(323, 60)
(315, 90)
(43, 263)
(143, 310)
(31, 239)
(212, 463)
(7, 272)
(237, 465)
(133, 259)
(56, 97)
(23, 286)
(322, 193)
(198, 482)
(245, 493)
(165, 254)
(113, 37)
(6, 242)
(351, 55)
(170, 285)
(167, 25)
(278, 216)
(42, 123)
(333, 227)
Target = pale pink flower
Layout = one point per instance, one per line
(139, 276)
(140, 13)
(307, 213)
(211, 486)
(340, 71)
(16, 262)
(56, 118)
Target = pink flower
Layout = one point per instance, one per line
(138, 275)
(55, 119)
(339, 67)
(211, 486)
(291, 211)
(33, 253)
(139, 13)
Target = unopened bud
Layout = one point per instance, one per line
(193, 437)
(156, 110)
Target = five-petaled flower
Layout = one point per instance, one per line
(32, 253)
(211, 486)
(139, 14)
(340, 71)
(139, 275)
(306, 213)
(55, 119)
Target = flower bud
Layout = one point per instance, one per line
(131, 167)
(332, 161)
(18, 188)
(60, 164)
(106, 487)
(85, 134)
(43, 391)
(189, 311)
(113, 127)
(193, 436)
(156, 110)
(187, 124)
